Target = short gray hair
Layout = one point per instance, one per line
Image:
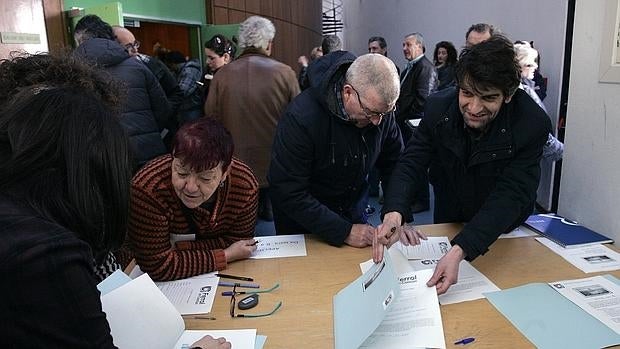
(419, 38)
(256, 32)
(375, 71)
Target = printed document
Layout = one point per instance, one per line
(414, 321)
(279, 246)
(597, 296)
(590, 259)
(432, 248)
(140, 316)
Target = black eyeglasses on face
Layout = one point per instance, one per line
(233, 301)
(134, 45)
(370, 113)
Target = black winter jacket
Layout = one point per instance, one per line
(146, 110)
(492, 186)
(419, 83)
(320, 161)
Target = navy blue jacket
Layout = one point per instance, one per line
(146, 111)
(320, 161)
(491, 184)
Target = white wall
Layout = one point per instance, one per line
(541, 21)
(590, 186)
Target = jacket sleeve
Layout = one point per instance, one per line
(188, 76)
(509, 204)
(158, 100)
(410, 169)
(391, 149)
(289, 183)
(211, 103)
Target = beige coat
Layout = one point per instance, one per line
(249, 95)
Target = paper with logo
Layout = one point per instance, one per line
(589, 259)
(414, 321)
(361, 306)
(434, 247)
(140, 316)
(279, 246)
(191, 296)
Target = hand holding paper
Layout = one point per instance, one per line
(447, 271)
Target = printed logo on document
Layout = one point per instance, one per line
(203, 294)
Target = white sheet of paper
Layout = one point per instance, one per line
(191, 296)
(140, 316)
(470, 286)
(399, 262)
(432, 248)
(519, 232)
(414, 321)
(596, 295)
(279, 246)
(240, 339)
(589, 259)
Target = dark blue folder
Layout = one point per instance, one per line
(565, 232)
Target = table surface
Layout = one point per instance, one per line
(308, 284)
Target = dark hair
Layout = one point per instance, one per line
(64, 153)
(378, 39)
(331, 43)
(203, 144)
(449, 48)
(489, 64)
(174, 57)
(480, 28)
(90, 27)
(220, 45)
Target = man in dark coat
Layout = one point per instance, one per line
(482, 143)
(327, 141)
(146, 111)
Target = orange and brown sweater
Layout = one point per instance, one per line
(156, 213)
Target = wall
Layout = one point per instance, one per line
(191, 10)
(590, 186)
(541, 21)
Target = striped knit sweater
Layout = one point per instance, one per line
(156, 213)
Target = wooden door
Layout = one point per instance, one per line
(22, 27)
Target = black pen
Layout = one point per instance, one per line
(226, 276)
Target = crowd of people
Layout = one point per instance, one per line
(110, 155)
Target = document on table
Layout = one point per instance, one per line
(519, 232)
(361, 306)
(279, 246)
(414, 321)
(589, 259)
(432, 248)
(597, 296)
(140, 316)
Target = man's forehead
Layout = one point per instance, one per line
(480, 90)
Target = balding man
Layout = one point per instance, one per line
(327, 141)
(478, 33)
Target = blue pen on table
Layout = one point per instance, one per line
(231, 284)
(465, 341)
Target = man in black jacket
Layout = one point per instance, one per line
(326, 142)
(481, 143)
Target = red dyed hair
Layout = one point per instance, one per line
(203, 144)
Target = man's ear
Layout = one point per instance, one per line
(508, 99)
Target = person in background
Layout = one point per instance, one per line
(316, 52)
(219, 52)
(331, 43)
(526, 55)
(64, 195)
(327, 141)
(478, 33)
(189, 73)
(481, 145)
(146, 111)
(417, 81)
(193, 211)
(249, 96)
(444, 58)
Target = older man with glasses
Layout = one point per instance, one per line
(327, 141)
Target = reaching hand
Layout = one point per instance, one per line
(240, 250)
(411, 235)
(387, 234)
(361, 235)
(208, 342)
(447, 271)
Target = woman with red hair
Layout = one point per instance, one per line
(193, 211)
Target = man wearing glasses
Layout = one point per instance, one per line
(327, 141)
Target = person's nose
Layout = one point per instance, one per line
(475, 105)
(191, 185)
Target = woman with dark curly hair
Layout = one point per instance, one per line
(444, 58)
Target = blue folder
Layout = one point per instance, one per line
(564, 232)
(549, 320)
